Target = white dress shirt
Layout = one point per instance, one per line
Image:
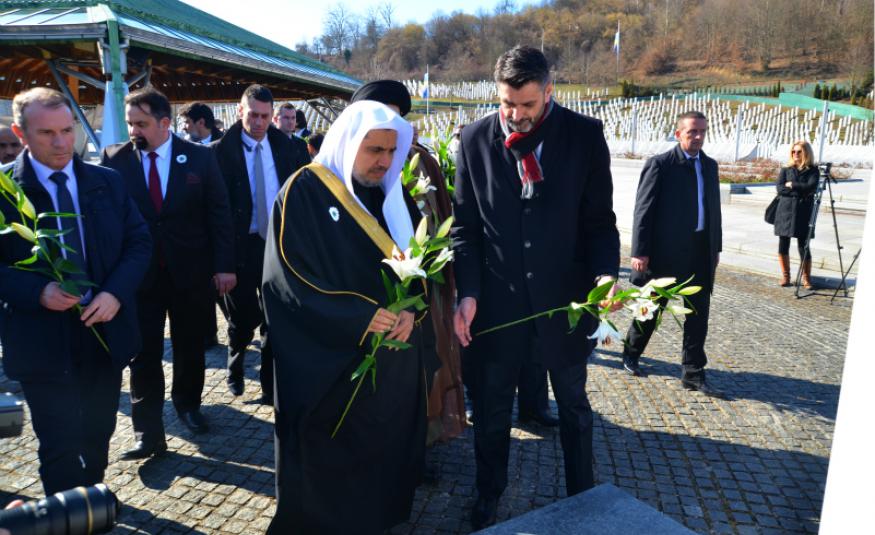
(162, 162)
(42, 174)
(271, 181)
(700, 183)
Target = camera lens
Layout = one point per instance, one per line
(79, 511)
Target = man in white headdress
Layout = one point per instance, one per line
(332, 225)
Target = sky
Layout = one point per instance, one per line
(289, 22)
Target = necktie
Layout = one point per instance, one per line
(72, 238)
(155, 183)
(260, 204)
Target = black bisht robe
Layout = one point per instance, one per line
(322, 287)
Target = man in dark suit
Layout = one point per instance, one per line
(256, 159)
(535, 229)
(178, 189)
(677, 233)
(70, 382)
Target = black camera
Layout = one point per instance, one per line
(11, 415)
(825, 168)
(79, 511)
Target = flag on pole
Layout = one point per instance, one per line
(616, 47)
(424, 91)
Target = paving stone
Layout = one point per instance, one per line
(757, 461)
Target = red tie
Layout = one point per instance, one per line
(154, 183)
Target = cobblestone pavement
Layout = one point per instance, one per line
(753, 464)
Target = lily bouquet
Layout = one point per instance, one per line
(423, 260)
(46, 244)
(646, 303)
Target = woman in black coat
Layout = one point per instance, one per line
(796, 185)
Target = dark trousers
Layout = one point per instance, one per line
(495, 381)
(532, 395)
(245, 312)
(74, 417)
(784, 246)
(187, 309)
(695, 325)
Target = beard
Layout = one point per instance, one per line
(367, 182)
(520, 126)
(140, 142)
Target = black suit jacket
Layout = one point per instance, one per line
(193, 230)
(289, 155)
(519, 257)
(666, 214)
(36, 341)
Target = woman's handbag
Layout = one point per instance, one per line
(772, 210)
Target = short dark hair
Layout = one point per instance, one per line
(284, 106)
(521, 65)
(259, 93)
(195, 111)
(316, 141)
(159, 106)
(692, 114)
(44, 96)
(300, 119)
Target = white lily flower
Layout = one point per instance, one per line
(643, 309)
(423, 185)
(405, 265)
(605, 334)
(446, 255)
(678, 310)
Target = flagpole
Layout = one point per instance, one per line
(617, 46)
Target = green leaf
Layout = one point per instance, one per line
(45, 215)
(24, 232)
(7, 184)
(27, 261)
(2, 219)
(437, 276)
(444, 229)
(65, 266)
(574, 315)
(71, 287)
(599, 292)
(405, 303)
(51, 232)
(397, 344)
(362, 368)
(388, 285)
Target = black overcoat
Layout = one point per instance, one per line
(666, 215)
(289, 155)
(518, 257)
(37, 341)
(795, 203)
(193, 229)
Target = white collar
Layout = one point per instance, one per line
(163, 150)
(43, 172)
(696, 157)
(250, 142)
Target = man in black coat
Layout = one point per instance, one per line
(256, 159)
(677, 233)
(70, 382)
(535, 229)
(178, 189)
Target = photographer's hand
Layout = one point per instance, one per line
(12, 504)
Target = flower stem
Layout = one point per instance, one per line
(78, 308)
(349, 403)
(523, 320)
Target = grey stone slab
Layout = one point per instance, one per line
(603, 509)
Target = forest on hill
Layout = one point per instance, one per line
(666, 42)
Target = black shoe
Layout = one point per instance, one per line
(235, 385)
(483, 513)
(702, 386)
(143, 449)
(630, 365)
(194, 421)
(210, 341)
(266, 399)
(541, 418)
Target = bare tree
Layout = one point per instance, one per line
(386, 12)
(338, 29)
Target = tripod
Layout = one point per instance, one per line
(825, 183)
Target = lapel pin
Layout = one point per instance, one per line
(334, 213)
(182, 158)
